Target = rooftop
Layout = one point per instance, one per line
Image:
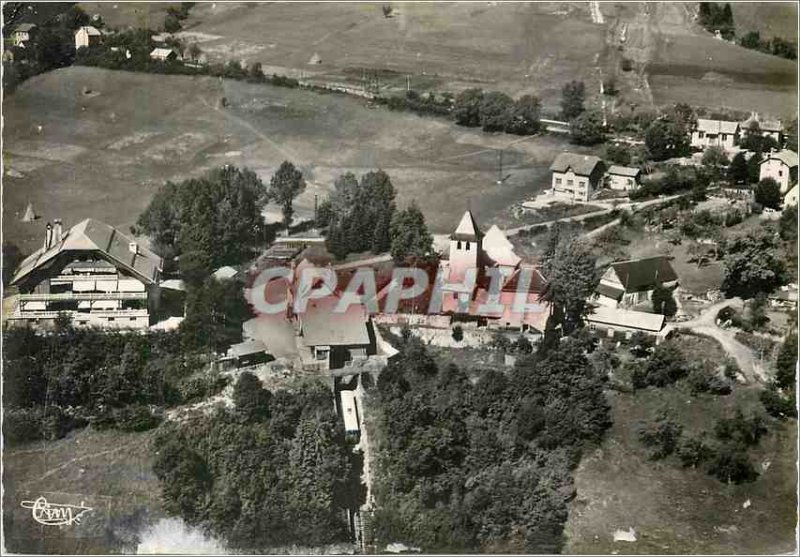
(650, 322)
(623, 170)
(787, 157)
(467, 229)
(90, 30)
(321, 326)
(24, 27)
(716, 126)
(643, 274)
(499, 249)
(582, 165)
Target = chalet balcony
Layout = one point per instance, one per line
(79, 296)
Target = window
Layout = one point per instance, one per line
(458, 245)
(780, 173)
(110, 319)
(701, 134)
(467, 245)
(558, 181)
(724, 137)
(630, 181)
(131, 319)
(569, 182)
(592, 326)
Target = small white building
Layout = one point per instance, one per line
(349, 408)
(23, 33)
(790, 198)
(616, 322)
(578, 177)
(715, 133)
(87, 36)
(781, 166)
(623, 178)
(164, 54)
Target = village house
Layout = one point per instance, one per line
(23, 33)
(87, 36)
(620, 323)
(790, 199)
(715, 133)
(781, 166)
(768, 128)
(471, 249)
(623, 178)
(92, 273)
(627, 283)
(164, 54)
(577, 177)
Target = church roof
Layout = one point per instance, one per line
(498, 248)
(467, 229)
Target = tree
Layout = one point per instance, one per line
(171, 24)
(496, 111)
(732, 465)
(661, 436)
(714, 159)
(666, 365)
(467, 107)
(768, 193)
(618, 154)
(587, 129)
(786, 363)
(286, 184)
(752, 264)
(251, 398)
(666, 139)
(410, 236)
(12, 257)
(791, 136)
(787, 226)
(572, 280)
(194, 52)
(737, 171)
(525, 116)
(573, 95)
(663, 301)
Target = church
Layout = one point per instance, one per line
(483, 280)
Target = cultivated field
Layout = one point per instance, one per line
(83, 142)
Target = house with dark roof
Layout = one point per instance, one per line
(767, 128)
(23, 33)
(627, 283)
(623, 178)
(781, 166)
(93, 273)
(715, 133)
(578, 177)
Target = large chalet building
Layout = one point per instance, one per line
(92, 273)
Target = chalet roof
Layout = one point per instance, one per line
(716, 126)
(650, 322)
(582, 165)
(609, 291)
(321, 326)
(787, 157)
(24, 27)
(247, 348)
(644, 274)
(224, 273)
(498, 248)
(162, 53)
(93, 31)
(764, 125)
(467, 229)
(92, 235)
(623, 170)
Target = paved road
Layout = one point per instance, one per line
(705, 324)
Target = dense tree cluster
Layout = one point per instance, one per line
(359, 214)
(752, 264)
(482, 467)
(768, 194)
(715, 17)
(495, 111)
(666, 139)
(775, 46)
(272, 471)
(570, 270)
(410, 236)
(59, 381)
(208, 221)
(587, 128)
(573, 95)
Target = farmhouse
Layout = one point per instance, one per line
(93, 273)
(623, 178)
(164, 54)
(619, 322)
(715, 133)
(790, 199)
(23, 33)
(781, 166)
(87, 36)
(577, 176)
(628, 283)
(489, 254)
(768, 128)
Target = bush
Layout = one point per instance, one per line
(746, 431)
(458, 333)
(693, 451)
(202, 385)
(777, 405)
(664, 367)
(731, 464)
(660, 436)
(702, 381)
(136, 418)
(22, 425)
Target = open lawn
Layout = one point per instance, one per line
(108, 471)
(675, 510)
(82, 142)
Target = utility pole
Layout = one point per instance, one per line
(499, 166)
(316, 197)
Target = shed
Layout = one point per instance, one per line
(349, 412)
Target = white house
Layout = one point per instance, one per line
(93, 273)
(164, 54)
(618, 322)
(781, 166)
(623, 178)
(578, 177)
(791, 197)
(23, 33)
(87, 36)
(715, 133)
(627, 283)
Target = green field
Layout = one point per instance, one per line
(81, 142)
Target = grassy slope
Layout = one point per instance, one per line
(108, 471)
(674, 510)
(105, 153)
(768, 18)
